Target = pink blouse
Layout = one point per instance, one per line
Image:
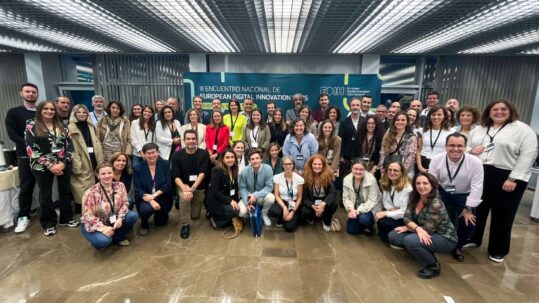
(97, 208)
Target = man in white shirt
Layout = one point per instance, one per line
(98, 102)
(460, 178)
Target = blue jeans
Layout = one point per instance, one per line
(424, 254)
(360, 223)
(100, 240)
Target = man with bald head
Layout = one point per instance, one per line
(416, 104)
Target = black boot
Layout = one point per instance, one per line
(430, 271)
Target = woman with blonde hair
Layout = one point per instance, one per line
(87, 153)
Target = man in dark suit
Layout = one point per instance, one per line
(349, 133)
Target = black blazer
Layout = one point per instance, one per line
(142, 179)
(218, 194)
(308, 195)
(350, 147)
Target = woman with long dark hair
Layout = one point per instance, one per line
(239, 150)
(427, 228)
(333, 114)
(234, 121)
(87, 153)
(136, 112)
(49, 147)
(399, 145)
(431, 141)
(305, 114)
(222, 198)
(114, 130)
(273, 158)
(370, 137)
(256, 133)
(278, 127)
(507, 148)
(329, 145)
(142, 132)
(167, 131)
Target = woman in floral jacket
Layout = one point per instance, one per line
(107, 218)
(49, 147)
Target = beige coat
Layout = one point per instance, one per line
(263, 137)
(82, 177)
(369, 190)
(101, 130)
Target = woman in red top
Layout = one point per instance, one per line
(217, 136)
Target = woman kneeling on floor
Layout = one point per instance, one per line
(427, 228)
(106, 216)
(288, 191)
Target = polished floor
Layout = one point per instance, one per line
(306, 266)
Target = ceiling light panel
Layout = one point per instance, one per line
(191, 20)
(384, 21)
(285, 21)
(531, 51)
(99, 19)
(19, 24)
(489, 18)
(26, 45)
(505, 43)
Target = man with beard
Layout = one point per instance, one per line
(293, 113)
(98, 102)
(16, 119)
(63, 106)
(319, 114)
(349, 133)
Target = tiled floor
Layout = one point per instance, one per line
(307, 266)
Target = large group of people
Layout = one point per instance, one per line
(423, 179)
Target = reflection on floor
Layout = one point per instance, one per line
(307, 266)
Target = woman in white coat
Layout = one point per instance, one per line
(167, 133)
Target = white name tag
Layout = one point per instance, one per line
(366, 159)
(56, 150)
(291, 204)
(232, 192)
(450, 188)
(112, 219)
(489, 147)
(299, 157)
(330, 153)
(193, 177)
(254, 144)
(232, 134)
(90, 150)
(215, 147)
(317, 202)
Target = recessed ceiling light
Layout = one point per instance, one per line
(26, 45)
(505, 43)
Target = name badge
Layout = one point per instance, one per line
(232, 192)
(153, 190)
(291, 205)
(299, 157)
(317, 202)
(366, 159)
(254, 144)
(215, 147)
(112, 219)
(330, 153)
(56, 150)
(353, 138)
(450, 188)
(193, 177)
(232, 134)
(90, 150)
(489, 146)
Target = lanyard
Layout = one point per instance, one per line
(111, 202)
(432, 144)
(232, 121)
(392, 196)
(492, 137)
(95, 116)
(146, 133)
(216, 138)
(317, 191)
(52, 132)
(371, 149)
(451, 178)
(358, 191)
(290, 188)
(255, 135)
(256, 178)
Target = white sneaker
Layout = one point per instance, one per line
(22, 225)
(497, 259)
(326, 228)
(266, 220)
(470, 244)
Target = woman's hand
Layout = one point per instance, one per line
(118, 224)
(148, 197)
(469, 217)
(379, 215)
(107, 231)
(352, 214)
(290, 215)
(319, 210)
(235, 205)
(509, 186)
(402, 229)
(155, 205)
(477, 150)
(177, 141)
(423, 235)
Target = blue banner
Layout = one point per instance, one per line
(279, 88)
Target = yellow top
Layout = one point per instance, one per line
(236, 132)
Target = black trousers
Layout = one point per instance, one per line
(386, 225)
(45, 181)
(503, 207)
(225, 218)
(27, 184)
(307, 213)
(276, 211)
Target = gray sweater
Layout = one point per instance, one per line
(264, 182)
